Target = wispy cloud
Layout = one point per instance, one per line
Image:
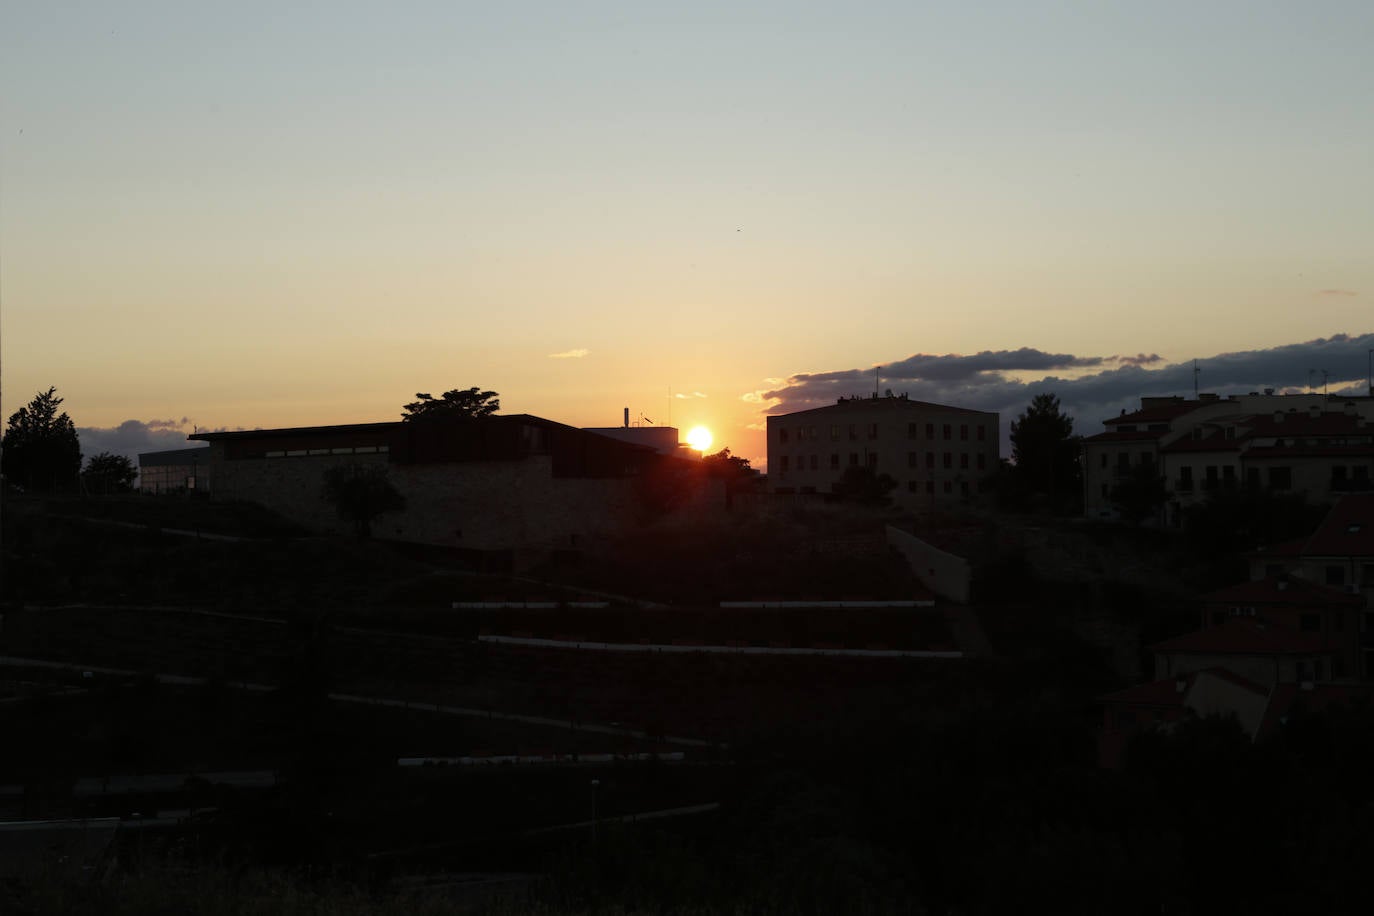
(570, 354)
(689, 396)
(1336, 292)
(985, 381)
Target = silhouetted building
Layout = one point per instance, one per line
(516, 484)
(937, 454)
(174, 470)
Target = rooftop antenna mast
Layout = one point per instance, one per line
(1197, 370)
(876, 370)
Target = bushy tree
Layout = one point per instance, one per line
(1045, 452)
(1140, 494)
(361, 493)
(41, 449)
(469, 403)
(107, 473)
(864, 485)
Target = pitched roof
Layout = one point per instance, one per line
(1113, 435)
(1347, 530)
(885, 403)
(1156, 414)
(1282, 591)
(1245, 636)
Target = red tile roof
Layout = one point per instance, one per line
(1213, 443)
(1347, 530)
(1301, 423)
(1112, 435)
(1283, 592)
(1244, 636)
(1157, 414)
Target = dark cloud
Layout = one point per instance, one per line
(982, 381)
(134, 436)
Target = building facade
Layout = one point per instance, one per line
(937, 454)
(1311, 444)
(514, 484)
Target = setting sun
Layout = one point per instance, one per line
(700, 438)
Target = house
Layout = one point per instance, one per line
(936, 453)
(1311, 444)
(515, 485)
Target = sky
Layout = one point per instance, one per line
(237, 215)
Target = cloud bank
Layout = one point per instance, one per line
(985, 381)
(570, 354)
(134, 436)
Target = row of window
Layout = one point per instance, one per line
(855, 431)
(947, 461)
(301, 452)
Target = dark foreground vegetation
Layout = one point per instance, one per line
(816, 786)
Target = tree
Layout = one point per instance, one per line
(732, 469)
(864, 485)
(360, 493)
(108, 473)
(470, 403)
(1045, 451)
(41, 449)
(1141, 493)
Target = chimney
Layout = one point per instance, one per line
(627, 418)
(1269, 392)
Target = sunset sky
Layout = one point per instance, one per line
(234, 215)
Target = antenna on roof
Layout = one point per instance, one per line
(876, 370)
(1197, 370)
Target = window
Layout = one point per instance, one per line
(785, 461)
(911, 486)
(930, 430)
(963, 460)
(853, 431)
(853, 459)
(963, 488)
(815, 459)
(963, 432)
(948, 431)
(834, 432)
(982, 461)
(834, 461)
(873, 460)
(948, 459)
(930, 460)
(982, 433)
(911, 430)
(1185, 479)
(1104, 461)
(782, 433)
(911, 461)
(930, 487)
(1123, 460)
(812, 432)
(873, 430)
(948, 487)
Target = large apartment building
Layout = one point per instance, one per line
(937, 454)
(1309, 443)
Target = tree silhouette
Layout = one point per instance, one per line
(1139, 495)
(107, 473)
(41, 449)
(1045, 450)
(469, 403)
(864, 485)
(360, 493)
